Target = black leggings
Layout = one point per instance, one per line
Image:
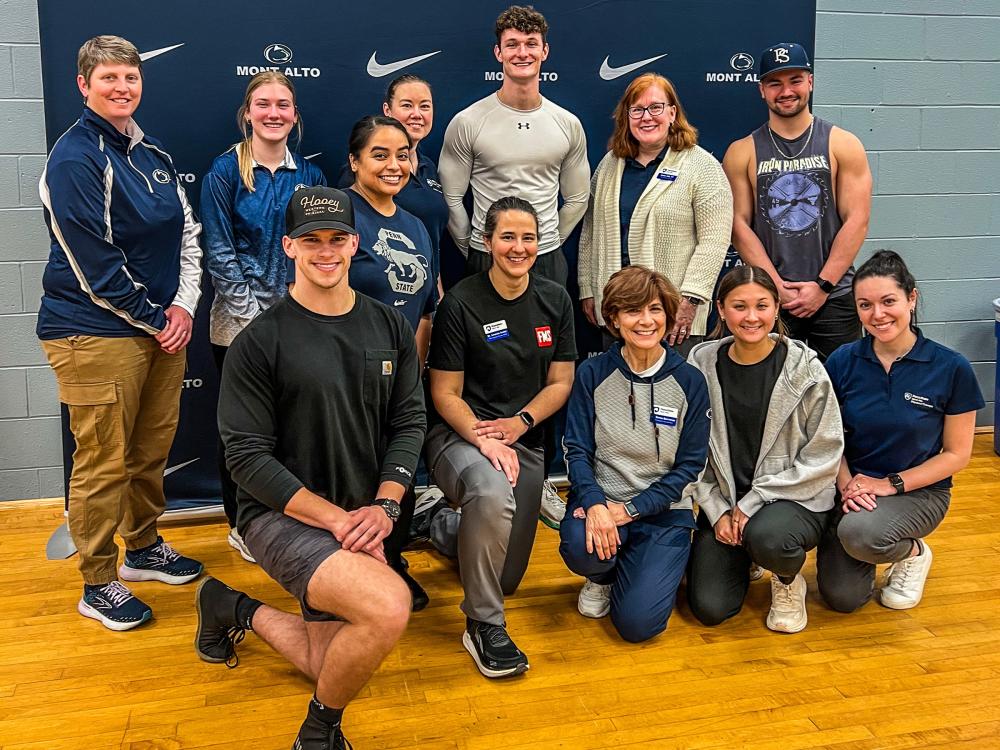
(228, 485)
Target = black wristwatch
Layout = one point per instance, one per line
(630, 508)
(528, 420)
(693, 300)
(897, 483)
(825, 285)
(390, 506)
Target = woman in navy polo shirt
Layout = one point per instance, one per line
(909, 410)
(243, 199)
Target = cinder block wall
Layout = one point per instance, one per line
(917, 80)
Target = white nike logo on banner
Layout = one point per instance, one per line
(377, 70)
(178, 467)
(609, 74)
(157, 52)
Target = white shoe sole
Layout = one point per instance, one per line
(241, 548)
(487, 672)
(797, 628)
(141, 574)
(87, 611)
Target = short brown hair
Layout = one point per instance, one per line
(635, 286)
(523, 18)
(682, 134)
(106, 49)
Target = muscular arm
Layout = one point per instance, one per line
(574, 184)
(854, 202)
(455, 170)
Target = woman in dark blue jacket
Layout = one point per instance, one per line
(243, 200)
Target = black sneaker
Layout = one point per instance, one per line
(418, 597)
(159, 562)
(492, 649)
(114, 606)
(318, 735)
(218, 631)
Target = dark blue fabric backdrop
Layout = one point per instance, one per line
(208, 50)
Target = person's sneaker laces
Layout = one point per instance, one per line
(159, 562)
(594, 600)
(218, 632)
(237, 543)
(788, 605)
(114, 606)
(904, 581)
(553, 508)
(492, 649)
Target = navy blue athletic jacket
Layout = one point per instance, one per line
(124, 238)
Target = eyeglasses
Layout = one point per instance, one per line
(655, 110)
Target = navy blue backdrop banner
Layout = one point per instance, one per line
(199, 55)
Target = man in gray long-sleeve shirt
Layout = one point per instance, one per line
(517, 142)
(321, 411)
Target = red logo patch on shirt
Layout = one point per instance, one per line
(543, 334)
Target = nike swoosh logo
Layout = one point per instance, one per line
(178, 467)
(609, 73)
(377, 69)
(157, 52)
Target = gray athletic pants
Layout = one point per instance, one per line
(498, 521)
(856, 541)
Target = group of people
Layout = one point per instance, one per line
(346, 368)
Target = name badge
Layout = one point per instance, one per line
(667, 174)
(496, 330)
(664, 415)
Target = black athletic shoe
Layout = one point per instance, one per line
(318, 735)
(492, 649)
(417, 594)
(218, 631)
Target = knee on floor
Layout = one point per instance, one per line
(638, 626)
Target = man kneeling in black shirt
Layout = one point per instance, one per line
(322, 415)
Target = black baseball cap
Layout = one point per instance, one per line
(314, 208)
(783, 56)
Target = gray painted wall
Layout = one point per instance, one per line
(917, 80)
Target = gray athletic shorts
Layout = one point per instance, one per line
(290, 552)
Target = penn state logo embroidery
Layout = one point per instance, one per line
(161, 176)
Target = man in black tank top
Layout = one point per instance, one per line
(801, 200)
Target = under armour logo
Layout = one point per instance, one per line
(781, 55)
(524, 125)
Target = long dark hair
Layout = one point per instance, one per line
(889, 264)
(738, 277)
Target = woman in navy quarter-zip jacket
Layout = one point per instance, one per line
(119, 294)
(243, 200)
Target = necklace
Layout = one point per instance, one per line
(796, 155)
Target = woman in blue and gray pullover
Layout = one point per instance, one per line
(243, 200)
(636, 436)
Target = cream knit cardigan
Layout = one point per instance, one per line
(680, 228)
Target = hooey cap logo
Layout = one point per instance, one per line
(315, 208)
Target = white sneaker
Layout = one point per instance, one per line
(788, 605)
(756, 572)
(427, 499)
(904, 581)
(553, 508)
(237, 543)
(594, 600)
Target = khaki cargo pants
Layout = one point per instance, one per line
(123, 396)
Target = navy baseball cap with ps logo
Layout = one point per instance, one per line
(315, 208)
(783, 56)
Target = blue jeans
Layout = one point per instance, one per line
(644, 574)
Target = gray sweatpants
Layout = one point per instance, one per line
(855, 542)
(498, 521)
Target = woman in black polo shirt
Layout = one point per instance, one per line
(909, 410)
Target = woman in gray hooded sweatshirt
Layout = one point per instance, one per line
(773, 454)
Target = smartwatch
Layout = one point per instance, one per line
(693, 300)
(391, 507)
(897, 483)
(825, 285)
(528, 420)
(630, 508)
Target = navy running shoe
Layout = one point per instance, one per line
(114, 606)
(159, 562)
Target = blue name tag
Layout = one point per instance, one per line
(667, 174)
(496, 330)
(664, 415)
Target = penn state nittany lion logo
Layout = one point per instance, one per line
(406, 272)
(794, 203)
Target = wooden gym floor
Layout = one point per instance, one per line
(925, 678)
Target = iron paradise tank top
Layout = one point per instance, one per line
(796, 215)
